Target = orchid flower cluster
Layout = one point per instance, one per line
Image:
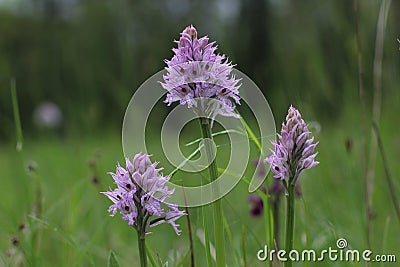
(196, 72)
(294, 152)
(140, 195)
(200, 78)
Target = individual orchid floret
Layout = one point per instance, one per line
(294, 151)
(196, 72)
(140, 195)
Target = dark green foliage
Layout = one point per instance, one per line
(90, 57)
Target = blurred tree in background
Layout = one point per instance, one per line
(89, 56)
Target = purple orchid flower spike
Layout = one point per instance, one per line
(196, 73)
(140, 195)
(294, 151)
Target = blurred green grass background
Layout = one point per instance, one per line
(88, 57)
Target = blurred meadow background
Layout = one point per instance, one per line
(76, 63)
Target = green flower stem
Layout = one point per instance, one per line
(142, 250)
(268, 221)
(206, 237)
(141, 222)
(217, 205)
(289, 221)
